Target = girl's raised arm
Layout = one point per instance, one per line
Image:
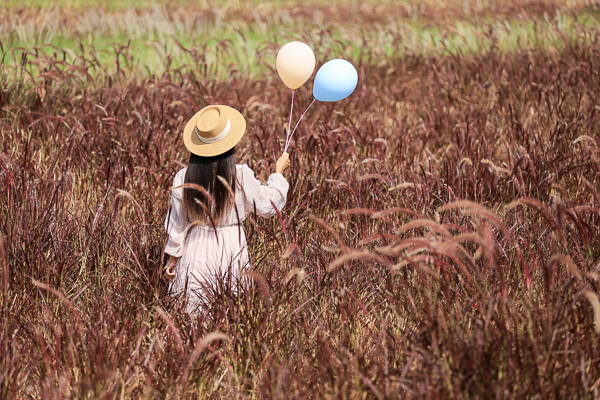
(262, 197)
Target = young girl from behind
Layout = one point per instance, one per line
(210, 199)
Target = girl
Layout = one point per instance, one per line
(207, 241)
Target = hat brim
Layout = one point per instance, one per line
(198, 147)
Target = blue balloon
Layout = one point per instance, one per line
(335, 80)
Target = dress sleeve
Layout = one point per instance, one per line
(262, 197)
(176, 221)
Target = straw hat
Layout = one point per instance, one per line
(214, 130)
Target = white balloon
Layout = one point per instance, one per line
(295, 64)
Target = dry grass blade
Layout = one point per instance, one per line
(299, 273)
(355, 211)
(396, 210)
(405, 185)
(141, 213)
(227, 186)
(592, 189)
(586, 138)
(495, 169)
(394, 249)
(358, 255)
(586, 208)
(421, 262)
(163, 314)
(232, 198)
(202, 343)
(202, 223)
(279, 217)
(595, 303)
(329, 229)
(450, 244)
(374, 177)
(479, 210)
(424, 223)
(558, 258)
(198, 188)
(292, 250)
(5, 272)
(539, 206)
(63, 298)
(264, 289)
(378, 236)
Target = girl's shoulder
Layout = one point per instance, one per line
(243, 169)
(243, 174)
(179, 177)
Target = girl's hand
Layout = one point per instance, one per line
(282, 163)
(170, 268)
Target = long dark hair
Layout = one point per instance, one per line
(204, 171)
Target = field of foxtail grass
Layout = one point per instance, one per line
(441, 237)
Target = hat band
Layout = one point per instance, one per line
(216, 138)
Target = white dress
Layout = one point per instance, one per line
(205, 256)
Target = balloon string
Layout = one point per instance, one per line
(290, 138)
(290, 124)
